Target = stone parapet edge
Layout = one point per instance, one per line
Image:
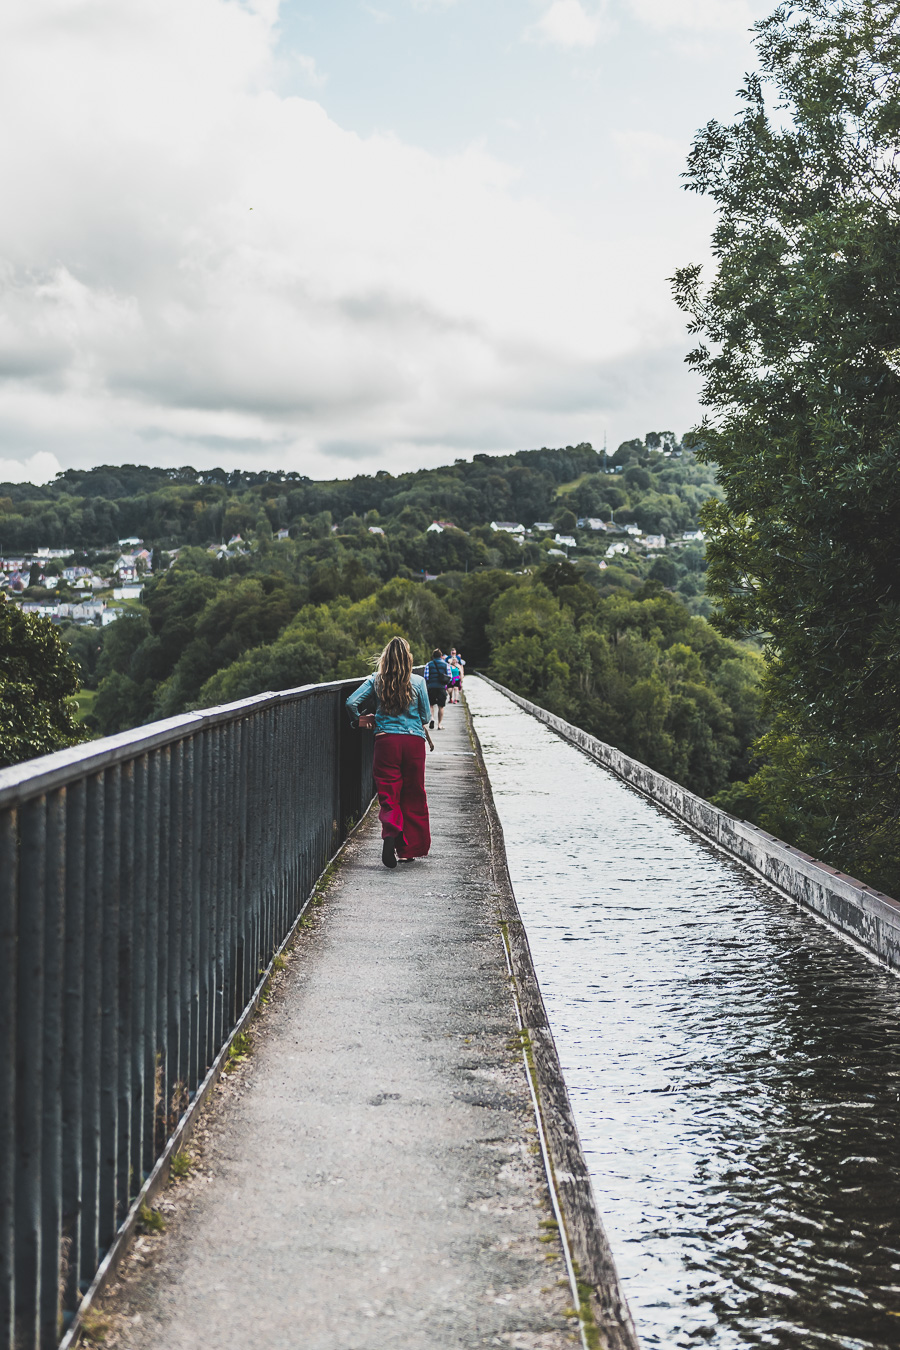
(866, 917)
(606, 1321)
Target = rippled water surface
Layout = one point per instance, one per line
(734, 1066)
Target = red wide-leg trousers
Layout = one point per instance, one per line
(399, 769)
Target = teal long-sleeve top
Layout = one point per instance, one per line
(410, 723)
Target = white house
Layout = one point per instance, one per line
(655, 540)
(546, 525)
(616, 548)
(437, 527)
(555, 553)
(591, 523)
(509, 527)
(376, 529)
(633, 530)
(566, 540)
(694, 535)
(282, 534)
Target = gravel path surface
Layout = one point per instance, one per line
(369, 1177)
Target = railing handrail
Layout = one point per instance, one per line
(32, 777)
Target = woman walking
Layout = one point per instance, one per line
(402, 713)
(455, 685)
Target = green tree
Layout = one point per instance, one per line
(37, 678)
(799, 334)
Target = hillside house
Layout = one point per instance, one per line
(508, 527)
(130, 566)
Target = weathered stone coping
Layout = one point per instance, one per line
(863, 915)
(606, 1321)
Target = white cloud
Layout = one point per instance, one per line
(703, 16)
(190, 262)
(38, 468)
(567, 24)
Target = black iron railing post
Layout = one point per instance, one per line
(109, 1011)
(218, 906)
(151, 851)
(29, 1068)
(199, 902)
(9, 863)
(137, 992)
(73, 1038)
(51, 1125)
(162, 845)
(92, 984)
(191, 907)
(124, 995)
(174, 996)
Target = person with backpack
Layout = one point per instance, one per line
(399, 720)
(437, 678)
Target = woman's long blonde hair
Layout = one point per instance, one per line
(393, 679)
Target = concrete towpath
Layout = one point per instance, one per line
(369, 1177)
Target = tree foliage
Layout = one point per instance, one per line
(90, 509)
(635, 669)
(37, 678)
(799, 334)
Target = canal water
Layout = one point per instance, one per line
(734, 1066)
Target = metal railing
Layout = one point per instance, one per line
(145, 882)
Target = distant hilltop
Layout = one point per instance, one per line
(654, 482)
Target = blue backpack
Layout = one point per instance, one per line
(437, 674)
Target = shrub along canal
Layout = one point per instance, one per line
(734, 1065)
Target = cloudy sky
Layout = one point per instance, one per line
(343, 235)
